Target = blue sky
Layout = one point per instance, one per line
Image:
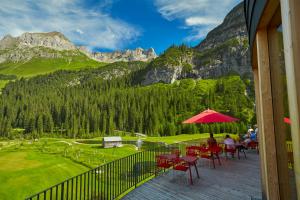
(108, 25)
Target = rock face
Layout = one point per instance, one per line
(164, 75)
(137, 54)
(53, 40)
(35, 45)
(233, 26)
(56, 45)
(224, 51)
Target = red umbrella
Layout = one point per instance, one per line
(287, 120)
(210, 116)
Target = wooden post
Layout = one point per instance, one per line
(266, 117)
(278, 91)
(260, 135)
(290, 11)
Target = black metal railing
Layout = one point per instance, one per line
(107, 181)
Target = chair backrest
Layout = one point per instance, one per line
(161, 160)
(176, 152)
(252, 144)
(227, 147)
(215, 149)
(192, 152)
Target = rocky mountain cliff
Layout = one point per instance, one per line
(53, 40)
(36, 45)
(137, 54)
(224, 51)
(56, 45)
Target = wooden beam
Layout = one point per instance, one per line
(266, 117)
(277, 70)
(290, 12)
(260, 136)
(254, 58)
(268, 13)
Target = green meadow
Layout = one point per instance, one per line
(37, 66)
(3, 83)
(27, 166)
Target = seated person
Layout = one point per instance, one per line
(247, 135)
(247, 140)
(253, 136)
(229, 142)
(211, 141)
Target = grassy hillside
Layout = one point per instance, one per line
(38, 66)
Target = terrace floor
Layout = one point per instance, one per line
(235, 179)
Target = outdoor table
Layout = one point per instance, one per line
(192, 161)
(240, 147)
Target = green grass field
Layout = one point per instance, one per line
(37, 66)
(2, 84)
(25, 173)
(42, 66)
(27, 167)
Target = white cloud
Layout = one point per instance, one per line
(197, 21)
(79, 31)
(90, 27)
(200, 16)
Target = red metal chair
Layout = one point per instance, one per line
(210, 153)
(215, 151)
(232, 151)
(206, 154)
(253, 145)
(181, 165)
(176, 152)
(163, 162)
(193, 151)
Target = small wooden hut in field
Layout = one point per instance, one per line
(109, 142)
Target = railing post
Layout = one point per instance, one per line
(62, 191)
(135, 173)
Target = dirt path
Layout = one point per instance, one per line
(70, 144)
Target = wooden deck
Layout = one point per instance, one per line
(235, 179)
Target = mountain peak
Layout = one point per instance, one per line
(224, 51)
(46, 34)
(233, 26)
(58, 42)
(7, 42)
(52, 40)
(6, 37)
(138, 54)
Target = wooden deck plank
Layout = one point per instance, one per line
(234, 179)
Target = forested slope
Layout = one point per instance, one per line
(99, 101)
